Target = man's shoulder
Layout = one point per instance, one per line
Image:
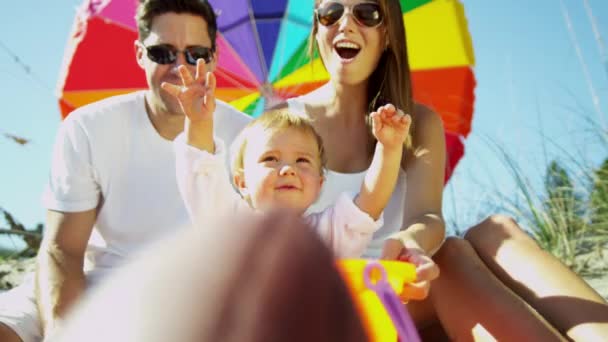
(228, 121)
(223, 109)
(228, 116)
(109, 109)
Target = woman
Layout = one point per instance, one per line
(362, 45)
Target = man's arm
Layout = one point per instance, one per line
(59, 270)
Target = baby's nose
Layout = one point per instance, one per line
(287, 169)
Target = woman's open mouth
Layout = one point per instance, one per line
(347, 50)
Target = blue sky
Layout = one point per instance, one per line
(532, 96)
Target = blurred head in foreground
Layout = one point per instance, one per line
(262, 278)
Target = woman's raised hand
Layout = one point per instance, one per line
(196, 95)
(390, 125)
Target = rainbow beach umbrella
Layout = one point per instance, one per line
(263, 57)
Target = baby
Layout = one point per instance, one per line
(278, 162)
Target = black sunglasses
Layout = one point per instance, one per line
(167, 54)
(365, 13)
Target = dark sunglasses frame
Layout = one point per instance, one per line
(167, 54)
(326, 20)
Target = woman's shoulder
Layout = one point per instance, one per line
(426, 121)
(427, 134)
(306, 105)
(294, 104)
(425, 115)
(314, 98)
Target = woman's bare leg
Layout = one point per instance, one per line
(556, 292)
(425, 317)
(471, 302)
(7, 334)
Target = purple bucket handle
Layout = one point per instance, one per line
(406, 330)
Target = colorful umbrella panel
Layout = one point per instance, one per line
(263, 57)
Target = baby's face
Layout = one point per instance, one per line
(282, 169)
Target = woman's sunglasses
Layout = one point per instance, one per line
(167, 54)
(365, 13)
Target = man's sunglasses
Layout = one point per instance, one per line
(167, 54)
(365, 13)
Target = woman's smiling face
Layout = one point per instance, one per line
(349, 49)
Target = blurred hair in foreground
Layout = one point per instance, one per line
(250, 278)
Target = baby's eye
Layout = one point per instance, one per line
(303, 160)
(269, 159)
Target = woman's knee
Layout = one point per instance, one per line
(453, 250)
(496, 227)
(491, 234)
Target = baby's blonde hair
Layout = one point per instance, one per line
(273, 120)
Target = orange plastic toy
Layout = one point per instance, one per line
(376, 286)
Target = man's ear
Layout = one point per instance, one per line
(239, 182)
(213, 63)
(139, 53)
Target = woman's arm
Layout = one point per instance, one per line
(423, 224)
(423, 229)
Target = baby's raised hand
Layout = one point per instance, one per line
(390, 125)
(196, 95)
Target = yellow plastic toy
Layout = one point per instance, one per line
(376, 286)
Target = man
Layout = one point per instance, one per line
(112, 187)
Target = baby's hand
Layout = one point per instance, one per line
(196, 95)
(390, 125)
(426, 269)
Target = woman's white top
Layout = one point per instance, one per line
(337, 183)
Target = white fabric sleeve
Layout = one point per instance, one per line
(72, 185)
(346, 229)
(203, 182)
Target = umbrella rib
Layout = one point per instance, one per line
(230, 78)
(231, 26)
(286, 18)
(228, 28)
(284, 21)
(258, 42)
(298, 21)
(296, 87)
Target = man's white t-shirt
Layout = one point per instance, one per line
(109, 156)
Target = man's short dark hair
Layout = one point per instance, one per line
(150, 9)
